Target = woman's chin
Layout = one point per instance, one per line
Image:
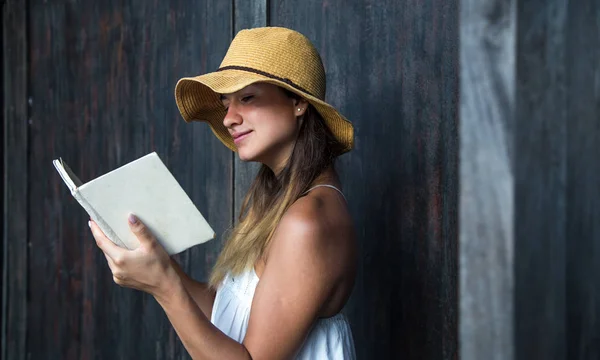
(245, 155)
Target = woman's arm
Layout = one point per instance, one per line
(200, 337)
(302, 269)
(149, 268)
(297, 280)
(202, 294)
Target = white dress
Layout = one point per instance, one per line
(329, 338)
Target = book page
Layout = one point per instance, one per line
(67, 175)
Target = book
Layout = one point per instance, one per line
(146, 188)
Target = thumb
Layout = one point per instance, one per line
(140, 230)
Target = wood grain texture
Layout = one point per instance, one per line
(583, 179)
(247, 14)
(103, 76)
(15, 178)
(487, 89)
(540, 181)
(2, 219)
(392, 70)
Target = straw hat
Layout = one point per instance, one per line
(274, 55)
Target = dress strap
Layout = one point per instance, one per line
(326, 185)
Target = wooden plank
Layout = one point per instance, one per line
(247, 14)
(487, 92)
(540, 180)
(392, 70)
(15, 178)
(2, 220)
(102, 96)
(583, 176)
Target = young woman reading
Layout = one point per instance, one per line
(288, 267)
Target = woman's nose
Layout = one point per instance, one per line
(232, 117)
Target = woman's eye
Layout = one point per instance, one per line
(247, 98)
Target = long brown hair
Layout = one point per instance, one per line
(270, 195)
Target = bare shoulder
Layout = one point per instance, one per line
(322, 218)
(318, 227)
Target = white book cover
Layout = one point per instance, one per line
(146, 188)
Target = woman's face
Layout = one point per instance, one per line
(264, 122)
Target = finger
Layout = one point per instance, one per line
(104, 243)
(140, 230)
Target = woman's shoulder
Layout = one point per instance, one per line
(322, 210)
(319, 222)
(316, 237)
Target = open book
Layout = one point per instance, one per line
(146, 188)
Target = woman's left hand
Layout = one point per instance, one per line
(147, 268)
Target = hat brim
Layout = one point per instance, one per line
(198, 99)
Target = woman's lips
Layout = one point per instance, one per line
(239, 137)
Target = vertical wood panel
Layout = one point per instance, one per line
(2, 219)
(487, 40)
(15, 177)
(540, 180)
(392, 70)
(555, 186)
(583, 179)
(247, 14)
(104, 75)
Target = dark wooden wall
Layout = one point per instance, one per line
(582, 240)
(15, 153)
(557, 178)
(529, 174)
(93, 82)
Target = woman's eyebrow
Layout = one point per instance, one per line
(240, 94)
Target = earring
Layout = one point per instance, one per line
(299, 109)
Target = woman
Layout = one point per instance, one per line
(288, 267)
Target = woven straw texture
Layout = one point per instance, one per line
(274, 55)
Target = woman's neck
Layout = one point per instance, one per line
(328, 176)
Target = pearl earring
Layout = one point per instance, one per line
(299, 109)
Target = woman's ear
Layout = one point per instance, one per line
(300, 106)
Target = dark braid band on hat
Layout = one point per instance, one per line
(264, 73)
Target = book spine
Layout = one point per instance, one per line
(108, 231)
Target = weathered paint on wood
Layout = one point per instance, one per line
(15, 279)
(529, 153)
(556, 251)
(487, 87)
(583, 180)
(392, 70)
(102, 77)
(540, 181)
